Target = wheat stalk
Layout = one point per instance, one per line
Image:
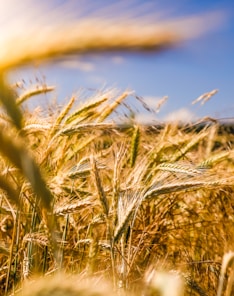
(108, 110)
(134, 145)
(227, 261)
(62, 115)
(33, 92)
(179, 168)
(87, 108)
(8, 100)
(68, 131)
(73, 208)
(101, 193)
(193, 142)
(97, 34)
(185, 186)
(34, 127)
(214, 159)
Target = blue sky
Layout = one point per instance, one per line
(183, 73)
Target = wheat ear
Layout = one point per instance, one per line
(196, 139)
(186, 186)
(85, 109)
(8, 99)
(135, 145)
(61, 116)
(33, 92)
(100, 190)
(108, 110)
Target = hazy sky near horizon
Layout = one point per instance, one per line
(182, 73)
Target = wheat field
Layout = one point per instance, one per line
(93, 202)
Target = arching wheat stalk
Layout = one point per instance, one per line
(48, 36)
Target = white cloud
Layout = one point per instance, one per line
(96, 79)
(146, 118)
(155, 103)
(180, 115)
(78, 64)
(117, 60)
(152, 101)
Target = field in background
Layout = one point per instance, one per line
(85, 195)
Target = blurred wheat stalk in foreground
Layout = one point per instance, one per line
(36, 33)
